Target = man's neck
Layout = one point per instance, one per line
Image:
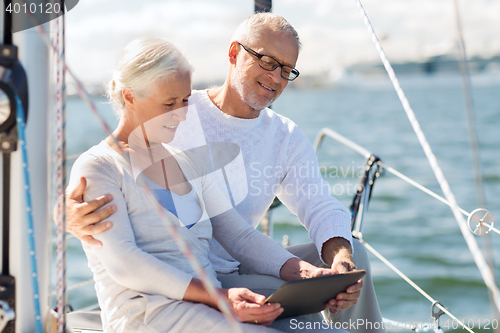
(229, 102)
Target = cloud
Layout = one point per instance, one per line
(332, 31)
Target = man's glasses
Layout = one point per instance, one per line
(270, 64)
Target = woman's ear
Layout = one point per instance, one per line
(128, 97)
(233, 51)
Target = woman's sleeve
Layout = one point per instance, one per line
(125, 262)
(239, 238)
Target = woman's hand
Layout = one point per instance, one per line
(295, 269)
(249, 307)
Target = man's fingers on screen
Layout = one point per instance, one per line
(345, 267)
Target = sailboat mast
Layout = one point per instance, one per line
(263, 6)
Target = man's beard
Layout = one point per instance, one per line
(249, 96)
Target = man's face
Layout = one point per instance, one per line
(257, 87)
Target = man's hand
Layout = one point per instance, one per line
(249, 307)
(294, 269)
(82, 217)
(337, 247)
(342, 262)
(338, 254)
(342, 301)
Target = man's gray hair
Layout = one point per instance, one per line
(141, 64)
(247, 31)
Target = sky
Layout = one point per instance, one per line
(332, 31)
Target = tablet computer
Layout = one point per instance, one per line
(300, 297)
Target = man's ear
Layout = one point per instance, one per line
(128, 97)
(233, 52)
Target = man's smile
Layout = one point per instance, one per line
(267, 87)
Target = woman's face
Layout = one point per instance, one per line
(163, 110)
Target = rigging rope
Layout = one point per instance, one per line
(365, 153)
(471, 126)
(29, 214)
(429, 192)
(481, 263)
(60, 177)
(362, 151)
(76, 286)
(469, 106)
(413, 284)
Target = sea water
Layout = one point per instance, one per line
(413, 230)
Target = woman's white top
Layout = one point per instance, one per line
(185, 207)
(140, 255)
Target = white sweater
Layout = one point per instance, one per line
(261, 158)
(139, 255)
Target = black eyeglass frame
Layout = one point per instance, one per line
(259, 56)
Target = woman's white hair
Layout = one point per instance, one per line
(247, 31)
(141, 64)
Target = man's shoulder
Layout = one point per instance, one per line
(198, 95)
(286, 126)
(279, 120)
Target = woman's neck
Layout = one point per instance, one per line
(120, 137)
(162, 167)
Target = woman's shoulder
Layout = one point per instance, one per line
(99, 154)
(99, 159)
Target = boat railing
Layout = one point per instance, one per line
(357, 226)
(357, 221)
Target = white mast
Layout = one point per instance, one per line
(34, 56)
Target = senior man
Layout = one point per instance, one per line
(276, 159)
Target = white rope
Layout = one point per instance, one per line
(362, 151)
(481, 263)
(419, 186)
(472, 131)
(469, 107)
(60, 177)
(413, 284)
(72, 157)
(429, 192)
(76, 286)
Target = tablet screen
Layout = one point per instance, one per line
(300, 297)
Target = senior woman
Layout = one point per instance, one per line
(143, 282)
